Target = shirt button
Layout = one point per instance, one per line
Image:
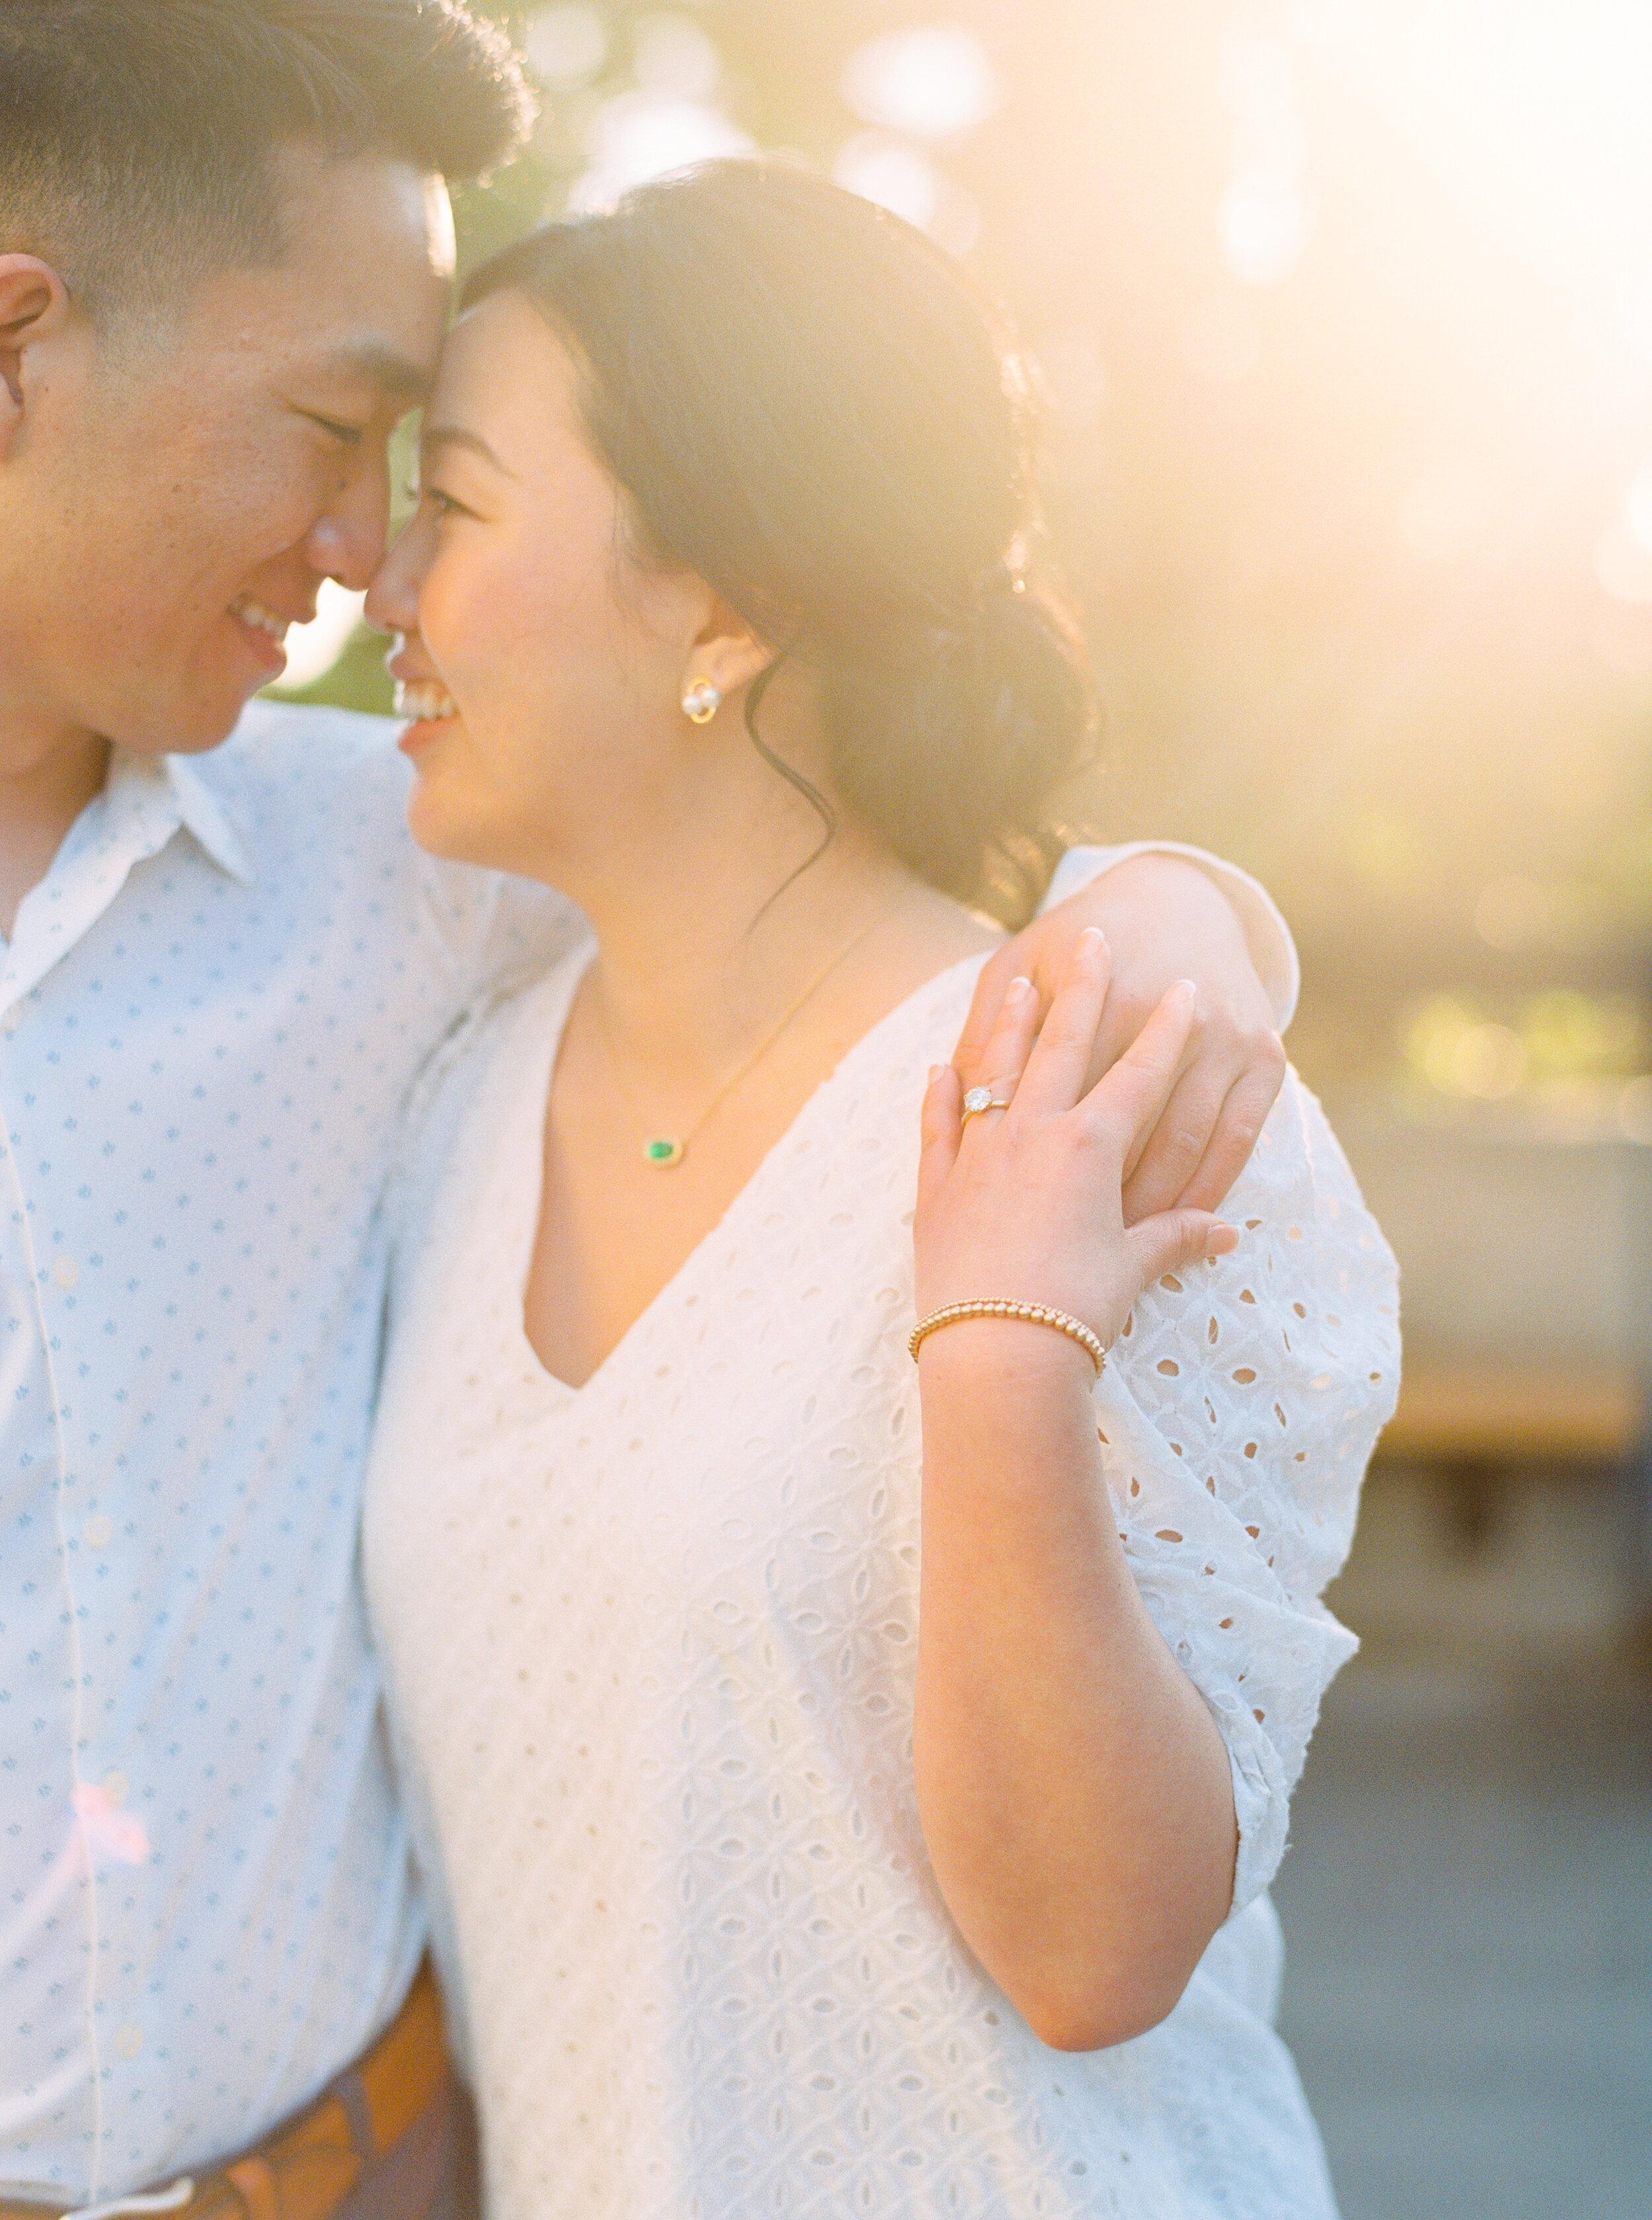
(129, 2041)
(66, 1272)
(116, 1787)
(98, 1529)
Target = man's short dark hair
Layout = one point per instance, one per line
(136, 136)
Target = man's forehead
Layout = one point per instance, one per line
(332, 205)
(368, 263)
(368, 360)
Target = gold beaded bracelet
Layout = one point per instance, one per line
(1033, 1313)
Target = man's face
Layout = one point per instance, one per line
(177, 497)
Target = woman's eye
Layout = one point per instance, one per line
(443, 503)
(351, 434)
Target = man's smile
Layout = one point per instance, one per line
(264, 629)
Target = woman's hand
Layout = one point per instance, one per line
(1027, 1202)
(1163, 917)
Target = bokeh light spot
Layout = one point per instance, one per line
(640, 135)
(1263, 225)
(1488, 1062)
(895, 176)
(930, 84)
(673, 56)
(901, 178)
(565, 46)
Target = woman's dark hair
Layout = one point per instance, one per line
(815, 410)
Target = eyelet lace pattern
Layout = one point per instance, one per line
(649, 1646)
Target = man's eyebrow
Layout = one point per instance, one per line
(455, 435)
(393, 373)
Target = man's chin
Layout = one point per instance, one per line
(195, 735)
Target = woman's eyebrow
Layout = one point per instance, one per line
(436, 436)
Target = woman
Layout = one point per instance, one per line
(772, 1873)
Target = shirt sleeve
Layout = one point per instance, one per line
(1238, 1410)
(1272, 949)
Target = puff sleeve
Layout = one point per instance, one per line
(1237, 1412)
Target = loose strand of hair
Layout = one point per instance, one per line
(794, 779)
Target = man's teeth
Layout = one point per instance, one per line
(254, 613)
(424, 701)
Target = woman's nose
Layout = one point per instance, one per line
(393, 595)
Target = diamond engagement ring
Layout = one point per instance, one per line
(979, 1098)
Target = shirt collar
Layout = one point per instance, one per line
(155, 795)
(145, 800)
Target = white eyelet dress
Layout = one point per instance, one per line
(650, 1650)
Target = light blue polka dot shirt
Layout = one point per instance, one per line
(212, 1010)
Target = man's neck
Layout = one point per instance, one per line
(43, 788)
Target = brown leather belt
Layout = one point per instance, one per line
(307, 2169)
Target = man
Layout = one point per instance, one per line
(224, 251)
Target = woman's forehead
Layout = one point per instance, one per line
(503, 357)
(507, 386)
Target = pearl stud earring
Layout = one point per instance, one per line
(701, 701)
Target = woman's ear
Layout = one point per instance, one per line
(726, 653)
(34, 309)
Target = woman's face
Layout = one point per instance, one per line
(554, 662)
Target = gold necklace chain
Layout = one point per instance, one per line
(665, 1149)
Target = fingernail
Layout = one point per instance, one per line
(1185, 989)
(935, 1071)
(1093, 933)
(1019, 988)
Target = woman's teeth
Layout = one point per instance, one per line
(426, 699)
(262, 620)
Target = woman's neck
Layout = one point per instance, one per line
(695, 963)
(702, 1028)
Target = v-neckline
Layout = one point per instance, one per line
(529, 1176)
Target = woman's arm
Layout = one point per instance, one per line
(1074, 1792)
(1078, 1797)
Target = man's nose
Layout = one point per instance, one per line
(347, 541)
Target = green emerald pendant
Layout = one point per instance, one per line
(663, 1151)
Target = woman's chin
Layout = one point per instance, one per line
(443, 827)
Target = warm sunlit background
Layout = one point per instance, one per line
(1344, 308)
